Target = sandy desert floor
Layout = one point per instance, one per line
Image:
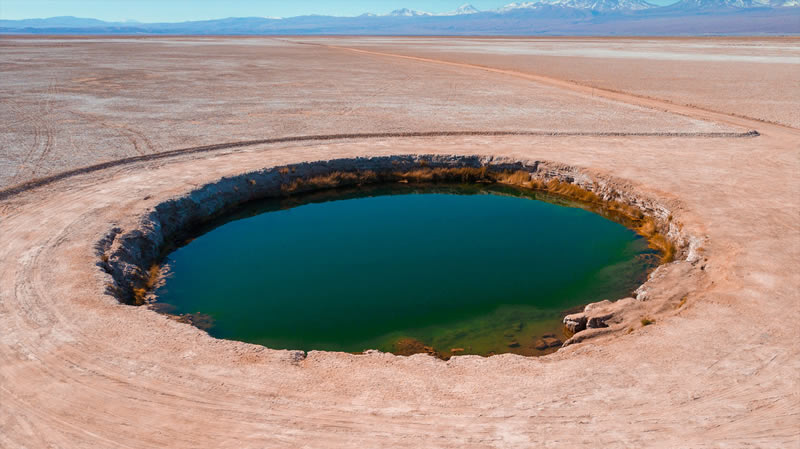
(80, 370)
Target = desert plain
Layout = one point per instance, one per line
(154, 118)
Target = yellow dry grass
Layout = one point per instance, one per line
(330, 180)
(441, 174)
(517, 178)
(150, 279)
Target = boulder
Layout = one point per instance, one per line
(599, 315)
(575, 322)
(597, 305)
(598, 321)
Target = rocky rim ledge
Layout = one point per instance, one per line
(127, 257)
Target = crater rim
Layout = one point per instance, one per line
(129, 258)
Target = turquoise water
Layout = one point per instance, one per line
(479, 269)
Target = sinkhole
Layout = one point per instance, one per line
(445, 269)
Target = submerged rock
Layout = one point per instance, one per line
(164, 308)
(410, 346)
(546, 342)
(551, 342)
(199, 320)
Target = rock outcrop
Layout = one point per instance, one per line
(673, 282)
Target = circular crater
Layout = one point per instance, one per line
(446, 255)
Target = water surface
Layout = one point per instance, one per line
(478, 269)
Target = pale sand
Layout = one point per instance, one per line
(77, 369)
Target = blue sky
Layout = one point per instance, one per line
(180, 10)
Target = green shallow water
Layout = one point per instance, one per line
(488, 269)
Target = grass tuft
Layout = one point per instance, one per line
(517, 178)
(150, 278)
(572, 191)
(667, 249)
(333, 179)
(647, 228)
(648, 321)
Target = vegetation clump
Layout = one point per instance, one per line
(442, 174)
(150, 279)
(330, 180)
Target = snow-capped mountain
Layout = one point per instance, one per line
(638, 5)
(603, 5)
(517, 5)
(592, 5)
(405, 12)
(717, 4)
(462, 10)
(731, 4)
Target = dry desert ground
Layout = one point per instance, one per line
(154, 119)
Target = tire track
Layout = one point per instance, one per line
(28, 185)
(43, 132)
(46, 109)
(134, 137)
(26, 119)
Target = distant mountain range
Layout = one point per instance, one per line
(543, 17)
